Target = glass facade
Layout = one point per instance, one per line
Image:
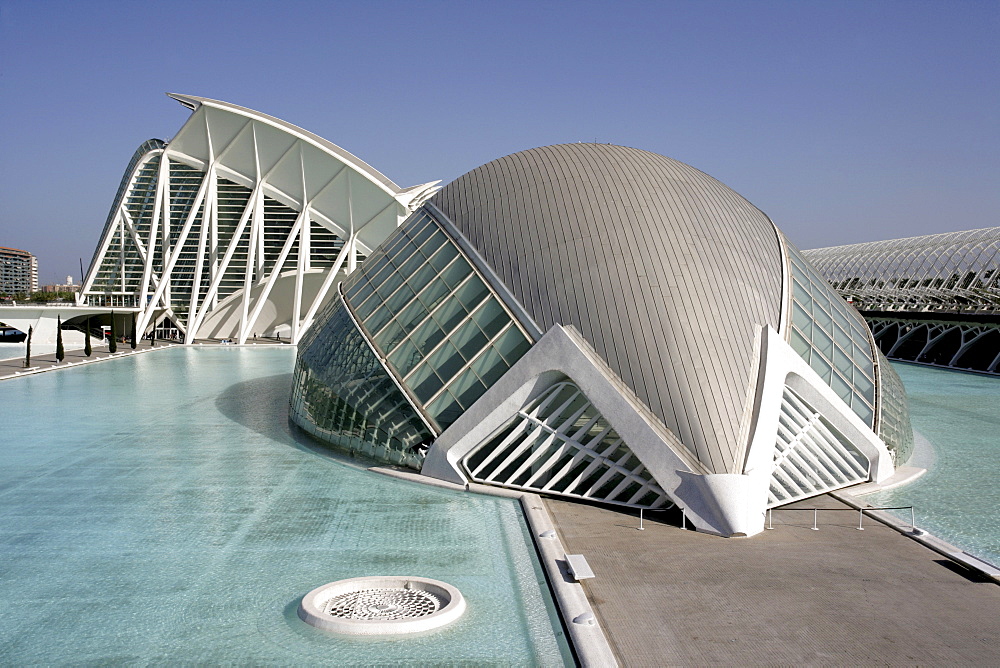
(342, 394)
(432, 316)
(894, 414)
(831, 337)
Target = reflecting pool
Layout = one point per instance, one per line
(158, 509)
(958, 498)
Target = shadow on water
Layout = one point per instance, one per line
(261, 404)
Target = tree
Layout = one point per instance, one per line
(87, 350)
(113, 341)
(27, 354)
(133, 332)
(60, 351)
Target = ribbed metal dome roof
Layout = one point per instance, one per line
(667, 272)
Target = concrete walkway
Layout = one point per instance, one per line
(791, 596)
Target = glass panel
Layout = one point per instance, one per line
(445, 255)
(405, 357)
(427, 336)
(399, 299)
(472, 292)
(800, 345)
(843, 363)
(446, 361)
(421, 277)
(450, 314)
(802, 320)
(490, 366)
(491, 317)
(413, 262)
(422, 235)
(467, 388)
(822, 368)
(512, 345)
(424, 383)
(842, 388)
(433, 294)
(390, 336)
(445, 410)
(456, 272)
(823, 343)
(389, 285)
(412, 315)
(469, 339)
(378, 319)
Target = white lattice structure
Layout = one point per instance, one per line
(562, 445)
(956, 271)
(241, 224)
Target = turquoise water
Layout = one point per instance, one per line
(958, 499)
(157, 509)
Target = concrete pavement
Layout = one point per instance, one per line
(791, 596)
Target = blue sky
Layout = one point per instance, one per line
(843, 121)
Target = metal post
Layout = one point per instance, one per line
(684, 518)
(913, 524)
(769, 519)
(861, 518)
(815, 516)
(640, 520)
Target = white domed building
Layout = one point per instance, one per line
(606, 324)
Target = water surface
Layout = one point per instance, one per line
(159, 509)
(958, 499)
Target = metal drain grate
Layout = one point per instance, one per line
(383, 603)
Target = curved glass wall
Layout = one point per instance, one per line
(831, 338)
(894, 414)
(432, 316)
(342, 394)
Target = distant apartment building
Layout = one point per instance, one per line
(68, 286)
(18, 271)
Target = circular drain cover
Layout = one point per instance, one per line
(382, 605)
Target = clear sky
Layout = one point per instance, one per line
(843, 121)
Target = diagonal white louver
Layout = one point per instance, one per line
(242, 223)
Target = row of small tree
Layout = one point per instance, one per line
(87, 348)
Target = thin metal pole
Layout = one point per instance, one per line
(640, 520)
(684, 518)
(913, 524)
(861, 518)
(769, 519)
(815, 516)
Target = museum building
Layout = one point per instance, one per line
(602, 323)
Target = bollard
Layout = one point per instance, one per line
(861, 518)
(640, 520)
(815, 515)
(684, 518)
(769, 519)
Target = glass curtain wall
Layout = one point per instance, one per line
(431, 315)
(831, 338)
(342, 394)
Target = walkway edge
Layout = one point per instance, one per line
(944, 548)
(69, 365)
(587, 637)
